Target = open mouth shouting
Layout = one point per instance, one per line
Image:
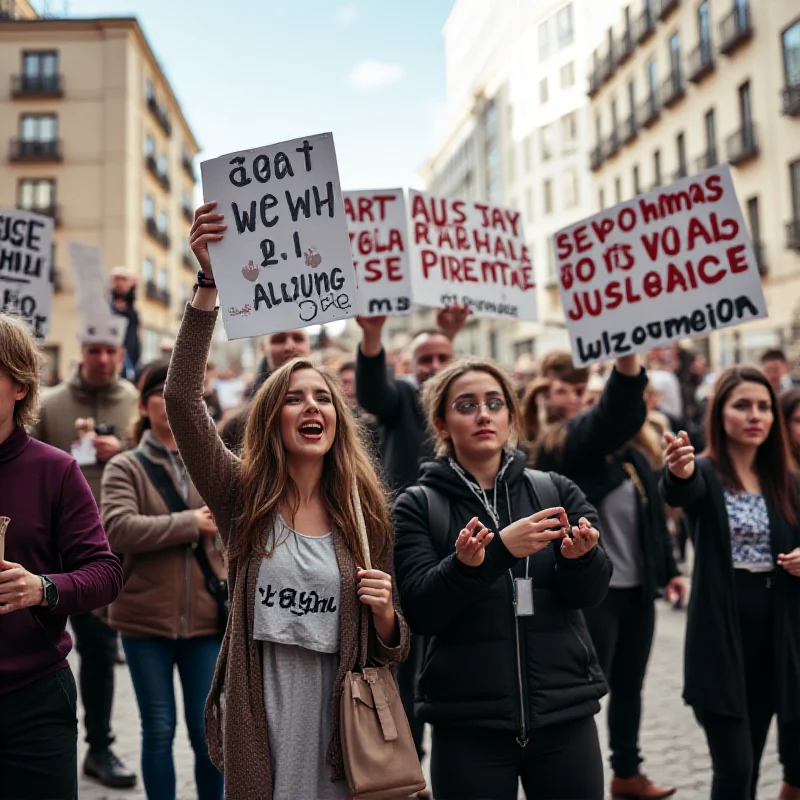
(311, 430)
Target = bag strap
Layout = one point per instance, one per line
(438, 512)
(361, 525)
(545, 492)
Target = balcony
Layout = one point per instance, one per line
(611, 147)
(188, 214)
(188, 261)
(666, 7)
(40, 86)
(596, 158)
(160, 116)
(645, 26)
(625, 47)
(628, 130)
(681, 172)
(649, 112)
(791, 100)
(161, 177)
(601, 71)
(701, 62)
(759, 252)
(672, 90)
(793, 235)
(51, 210)
(707, 160)
(188, 167)
(156, 233)
(735, 28)
(155, 293)
(742, 145)
(36, 151)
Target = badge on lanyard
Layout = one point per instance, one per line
(523, 597)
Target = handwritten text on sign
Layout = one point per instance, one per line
(26, 245)
(284, 261)
(674, 263)
(378, 239)
(471, 253)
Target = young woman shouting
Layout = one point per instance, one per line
(510, 681)
(743, 630)
(287, 513)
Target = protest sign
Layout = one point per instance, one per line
(91, 281)
(470, 253)
(26, 248)
(379, 242)
(285, 260)
(674, 263)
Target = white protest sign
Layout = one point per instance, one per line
(379, 242)
(674, 263)
(470, 253)
(285, 260)
(91, 281)
(26, 247)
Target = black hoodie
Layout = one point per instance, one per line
(484, 667)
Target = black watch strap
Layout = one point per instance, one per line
(50, 593)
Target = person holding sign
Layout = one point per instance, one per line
(286, 512)
(608, 451)
(742, 505)
(494, 563)
(56, 562)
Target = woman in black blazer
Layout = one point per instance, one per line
(742, 657)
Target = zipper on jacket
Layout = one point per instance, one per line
(522, 739)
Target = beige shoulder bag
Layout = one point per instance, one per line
(380, 760)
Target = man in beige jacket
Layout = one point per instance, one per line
(95, 393)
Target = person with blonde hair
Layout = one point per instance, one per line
(494, 564)
(54, 561)
(290, 512)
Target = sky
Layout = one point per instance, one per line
(253, 72)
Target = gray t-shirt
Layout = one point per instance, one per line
(619, 525)
(297, 595)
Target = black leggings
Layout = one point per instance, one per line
(622, 632)
(559, 761)
(737, 745)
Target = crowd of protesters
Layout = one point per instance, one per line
(519, 530)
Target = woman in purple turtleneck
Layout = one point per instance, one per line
(57, 562)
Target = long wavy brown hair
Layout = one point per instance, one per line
(266, 482)
(772, 459)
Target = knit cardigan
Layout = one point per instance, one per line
(236, 723)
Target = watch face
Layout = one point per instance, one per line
(50, 593)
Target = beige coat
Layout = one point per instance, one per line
(236, 722)
(114, 404)
(164, 593)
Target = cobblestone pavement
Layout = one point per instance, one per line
(673, 744)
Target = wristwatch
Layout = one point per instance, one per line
(50, 592)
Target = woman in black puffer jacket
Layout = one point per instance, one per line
(510, 681)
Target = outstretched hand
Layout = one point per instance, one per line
(451, 320)
(679, 455)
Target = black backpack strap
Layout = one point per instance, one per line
(161, 481)
(545, 492)
(438, 513)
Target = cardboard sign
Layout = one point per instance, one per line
(26, 248)
(470, 253)
(91, 281)
(379, 243)
(285, 260)
(671, 264)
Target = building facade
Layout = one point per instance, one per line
(97, 140)
(681, 85)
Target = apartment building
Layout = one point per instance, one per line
(681, 85)
(97, 140)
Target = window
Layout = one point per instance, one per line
(652, 82)
(657, 168)
(564, 27)
(637, 186)
(148, 270)
(185, 250)
(186, 201)
(569, 132)
(149, 209)
(149, 146)
(162, 164)
(745, 109)
(38, 127)
(543, 93)
(790, 40)
(753, 220)
(680, 147)
(567, 75)
(631, 99)
(794, 182)
(546, 142)
(544, 41)
(601, 200)
(162, 278)
(626, 13)
(150, 91)
(598, 129)
(675, 57)
(529, 204)
(617, 190)
(40, 64)
(711, 138)
(704, 29)
(571, 188)
(548, 196)
(614, 115)
(162, 221)
(36, 193)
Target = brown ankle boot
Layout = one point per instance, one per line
(789, 792)
(640, 787)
